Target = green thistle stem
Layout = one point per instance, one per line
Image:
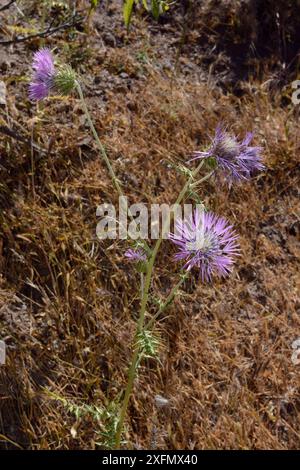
(101, 148)
(140, 323)
(96, 137)
(168, 300)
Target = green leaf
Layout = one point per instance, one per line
(165, 6)
(141, 267)
(94, 3)
(127, 12)
(148, 344)
(155, 8)
(212, 162)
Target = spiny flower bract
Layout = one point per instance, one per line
(65, 79)
(206, 242)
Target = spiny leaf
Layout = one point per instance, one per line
(148, 344)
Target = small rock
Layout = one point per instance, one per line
(121, 88)
(2, 94)
(110, 39)
(124, 75)
(97, 80)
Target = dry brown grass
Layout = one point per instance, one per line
(68, 302)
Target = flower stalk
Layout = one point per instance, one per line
(98, 141)
(101, 147)
(144, 302)
(168, 300)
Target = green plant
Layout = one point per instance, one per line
(106, 418)
(207, 243)
(156, 7)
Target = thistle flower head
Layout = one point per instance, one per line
(46, 76)
(136, 255)
(206, 242)
(235, 160)
(43, 75)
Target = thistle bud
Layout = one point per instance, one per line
(65, 80)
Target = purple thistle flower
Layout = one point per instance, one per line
(206, 242)
(136, 255)
(236, 160)
(43, 75)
